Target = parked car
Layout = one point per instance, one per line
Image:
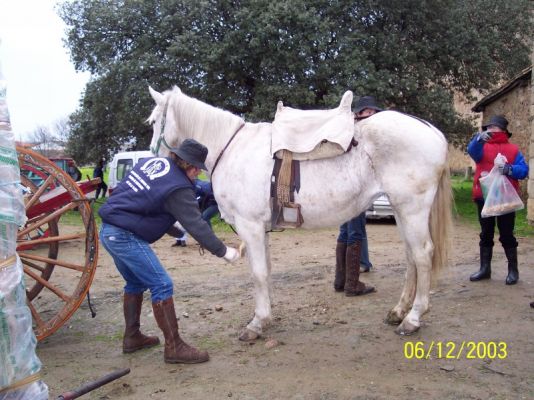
(381, 208)
(123, 163)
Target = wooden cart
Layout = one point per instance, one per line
(58, 266)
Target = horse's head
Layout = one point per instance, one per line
(164, 134)
(177, 117)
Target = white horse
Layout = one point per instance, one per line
(396, 154)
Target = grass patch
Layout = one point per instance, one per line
(108, 338)
(466, 210)
(209, 343)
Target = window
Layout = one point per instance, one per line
(123, 167)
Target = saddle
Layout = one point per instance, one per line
(313, 134)
(303, 135)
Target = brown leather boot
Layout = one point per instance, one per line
(133, 339)
(353, 286)
(339, 280)
(176, 350)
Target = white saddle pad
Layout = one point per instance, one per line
(301, 131)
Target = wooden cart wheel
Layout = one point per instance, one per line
(47, 230)
(58, 267)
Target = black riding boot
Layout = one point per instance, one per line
(513, 273)
(485, 265)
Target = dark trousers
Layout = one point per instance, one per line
(102, 186)
(505, 223)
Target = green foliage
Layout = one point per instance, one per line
(244, 56)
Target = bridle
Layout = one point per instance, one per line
(161, 138)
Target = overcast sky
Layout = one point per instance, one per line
(42, 86)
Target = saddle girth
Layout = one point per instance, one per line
(285, 180)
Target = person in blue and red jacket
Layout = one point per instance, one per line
(143, 207)
(483, 149)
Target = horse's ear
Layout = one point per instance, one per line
(346, 101)
(158, 97)
(279, 106)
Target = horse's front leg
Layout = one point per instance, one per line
(256, 240)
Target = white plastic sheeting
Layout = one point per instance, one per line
(19, 365)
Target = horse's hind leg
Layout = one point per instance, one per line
(397, 313)
(256, 240)
(419, 254)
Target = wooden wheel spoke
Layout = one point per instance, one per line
(51, 239)
(32, 265)
(36, 317)
(47, 284)
(39, 192)
(54, 215)
(61, 263)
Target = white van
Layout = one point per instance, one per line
(123, 163)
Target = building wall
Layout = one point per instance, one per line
(516, 106)
(530, 202)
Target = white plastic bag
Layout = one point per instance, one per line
(500, 196)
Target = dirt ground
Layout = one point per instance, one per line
(329, 346)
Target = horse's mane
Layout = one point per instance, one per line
(195, 116)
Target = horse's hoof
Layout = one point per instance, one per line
(248, 336)
(406, 329)
(392, 318)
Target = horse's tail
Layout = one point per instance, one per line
(441, 222)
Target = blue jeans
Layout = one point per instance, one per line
(351, 232)
(136, 262)
(209, 213)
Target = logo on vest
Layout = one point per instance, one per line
(156, 167)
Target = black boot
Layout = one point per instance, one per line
(339, 281)
(485, 265)
(513, 273)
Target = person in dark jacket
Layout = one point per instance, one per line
(144, 206)
(352, 254)
(483, 149)
(98, 172)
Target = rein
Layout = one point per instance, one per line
(161, 138)
(225, 147)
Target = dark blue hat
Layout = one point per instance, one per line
(366, 102)
(497, 120)
(192, 152)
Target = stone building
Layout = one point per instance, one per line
(515, 100)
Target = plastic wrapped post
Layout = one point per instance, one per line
(19, 365)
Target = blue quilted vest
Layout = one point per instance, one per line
(137, 204)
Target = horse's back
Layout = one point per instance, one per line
(398, 137)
